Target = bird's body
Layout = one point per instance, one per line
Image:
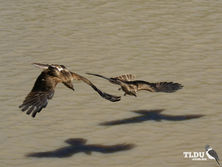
(44, 87)
(131, 86)
(212, 154)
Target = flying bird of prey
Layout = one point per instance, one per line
(44, 87)
(212, 154)
(131, 86)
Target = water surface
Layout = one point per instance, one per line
(155, 40)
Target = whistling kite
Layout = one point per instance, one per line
(44, 87)
(131, 86)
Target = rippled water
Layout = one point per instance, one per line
(155, 40)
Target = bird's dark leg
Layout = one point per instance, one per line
(120, 89)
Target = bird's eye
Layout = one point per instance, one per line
(53, 68)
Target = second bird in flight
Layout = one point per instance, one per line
(131, 86)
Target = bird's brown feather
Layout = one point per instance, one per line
(105, 95)
(42, 91)
(125, 77)
(168, 87)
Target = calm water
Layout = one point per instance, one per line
(155, 40)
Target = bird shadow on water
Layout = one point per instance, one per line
(78, 145)
(155, 115)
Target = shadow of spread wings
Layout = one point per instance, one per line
(37, 99)
(107, 96)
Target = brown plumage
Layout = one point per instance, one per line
(131, 86)
(44, 87)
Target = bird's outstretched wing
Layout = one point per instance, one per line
(168, 87)
(115, 80)
(112, 80)
(76, 141)
(107, 96)
(42, 66)
(125, 77)
(213, 154)
(42, 91)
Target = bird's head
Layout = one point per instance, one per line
(208, 147)
(54, 69)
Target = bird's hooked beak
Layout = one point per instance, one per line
(71, 88)
(69, 85)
